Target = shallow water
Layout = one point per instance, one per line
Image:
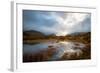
(61, 48)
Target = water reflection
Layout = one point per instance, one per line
(60, 47)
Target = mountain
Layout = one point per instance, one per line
(32, 34)
(83, 37)
(79, 34)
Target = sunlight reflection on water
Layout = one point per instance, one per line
(61, 48)
(68, 47)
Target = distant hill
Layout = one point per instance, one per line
(78, 33)
(32, 34)
(84, 37)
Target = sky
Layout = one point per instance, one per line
(55, 22)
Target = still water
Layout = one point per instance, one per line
(61, 48)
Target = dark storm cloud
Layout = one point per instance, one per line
(58, 23)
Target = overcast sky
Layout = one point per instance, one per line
(59, 23)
